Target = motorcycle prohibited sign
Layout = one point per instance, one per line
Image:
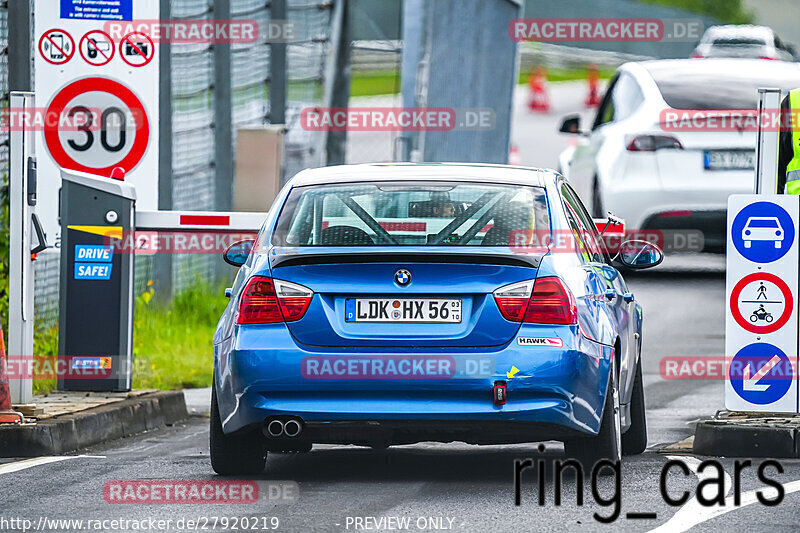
(761, 323)
(115, 128)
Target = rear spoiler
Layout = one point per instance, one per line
(283, 257)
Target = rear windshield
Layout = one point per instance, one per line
(737, 89)
(411, 214)
(738, 41)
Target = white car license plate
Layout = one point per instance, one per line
(430, 310)
(729, 159)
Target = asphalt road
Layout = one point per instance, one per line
(452, 486)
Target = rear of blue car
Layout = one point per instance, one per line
(393, 313)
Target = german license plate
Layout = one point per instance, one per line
(729, 159)
(400, 310)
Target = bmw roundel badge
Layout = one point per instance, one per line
(402, 277)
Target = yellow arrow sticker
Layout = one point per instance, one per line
(513, 371)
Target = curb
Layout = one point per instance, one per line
(725, 439)
(67, 433)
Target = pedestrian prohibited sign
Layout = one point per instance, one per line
(56, 46)
(762, 232)
(761, 303)
(115, 130)
(96, 48)
(761, 373)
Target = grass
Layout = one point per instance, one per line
(374, 83)
(172, 343)
(563, 74)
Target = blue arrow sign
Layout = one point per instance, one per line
(761, 373)
(762, 232)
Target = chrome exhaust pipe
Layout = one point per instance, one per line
(292, 428)
(275, 428)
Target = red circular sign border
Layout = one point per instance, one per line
(764, 276)
(65, 32)
(152, 47)
(113, 48)
(63, 97)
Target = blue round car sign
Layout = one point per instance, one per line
(761, 373)
(762, 232)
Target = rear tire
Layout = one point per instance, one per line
(634, 441)
(607, 443)
(240, 453)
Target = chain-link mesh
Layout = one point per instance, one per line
(379, 61)
(193, 184)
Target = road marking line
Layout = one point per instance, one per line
(693, 513)
(36, 461)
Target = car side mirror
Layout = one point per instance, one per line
(571, 124)
(238, 252)
(639, 254)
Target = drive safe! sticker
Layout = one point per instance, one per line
(553, 342)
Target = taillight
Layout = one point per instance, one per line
(268, 301)
(541, 301)
(651, 143)
(294, 299)
(512, 300)
(551, 303)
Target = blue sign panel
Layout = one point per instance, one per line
(761, 373)
(93, 270)
(97, 9)
(94, 253)
(762, 232)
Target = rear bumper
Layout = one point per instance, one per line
(555, 392)
(711, 223)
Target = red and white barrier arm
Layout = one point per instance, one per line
(199, 221)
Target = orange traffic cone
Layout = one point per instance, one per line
(593, 79)
(6, 414)
(537, 81)
(513, 156)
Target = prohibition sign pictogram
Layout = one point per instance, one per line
(97, 48)
(56, 46)
(137, 49)
(756, 283)
(130, 154)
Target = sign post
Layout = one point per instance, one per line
(105, 89)
(761, 285)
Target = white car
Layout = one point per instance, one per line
(742, 40)
(658, 174)
(762, 229)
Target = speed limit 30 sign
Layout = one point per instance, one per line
(114, 131)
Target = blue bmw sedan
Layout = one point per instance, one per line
(398, 303)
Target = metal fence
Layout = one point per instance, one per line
(192, 97)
